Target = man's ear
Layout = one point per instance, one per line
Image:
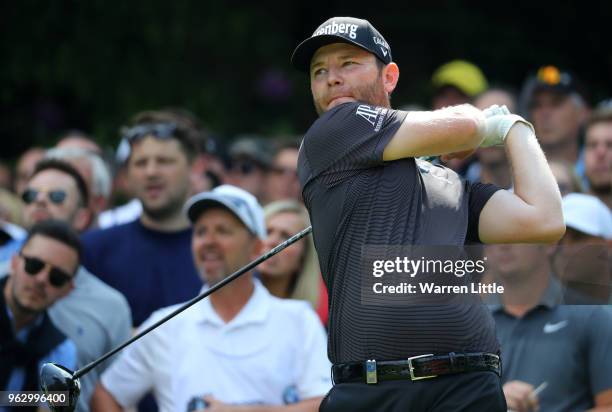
(390, 74)
(82, 219)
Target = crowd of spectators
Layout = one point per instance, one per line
(126, 238)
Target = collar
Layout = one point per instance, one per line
(255, 311)
(552, 297)
(14, 231)
(22, 335)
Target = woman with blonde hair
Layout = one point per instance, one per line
(295, 272)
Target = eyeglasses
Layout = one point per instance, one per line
(33, 266)
(158, 130)
(55, 196)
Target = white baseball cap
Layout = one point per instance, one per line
(238, 201)
(587, 214)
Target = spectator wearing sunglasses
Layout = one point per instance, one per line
(94, 316)
(85, 155)
(148, 260)
(40, 275)
(58, 193)
(57, 190)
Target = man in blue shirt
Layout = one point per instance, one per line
(40, 274)
(148, 260)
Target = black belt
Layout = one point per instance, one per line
(415, 368)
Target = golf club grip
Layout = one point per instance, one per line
(198, 298)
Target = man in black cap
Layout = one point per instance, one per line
(555, 102)
(363, 186)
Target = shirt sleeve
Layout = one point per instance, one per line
(315, 377)
(479, 194)
(349, 137)
(598, 352)
(131, 375)
(64, 354)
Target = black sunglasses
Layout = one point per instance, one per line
(158, 130)
(55, 196)
(33, 266)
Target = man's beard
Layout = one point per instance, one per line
(373, 94)
(166, 211)
(601, 188)
(223, 274)
(20, 306)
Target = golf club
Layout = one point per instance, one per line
(56, 378)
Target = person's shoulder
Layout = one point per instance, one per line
(159, 314)
(111, 232)
(589, 316)
(165, 334)
(333, 118)
(100, 291)
(120, 214)
(65, 354)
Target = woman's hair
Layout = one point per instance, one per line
(306, 285)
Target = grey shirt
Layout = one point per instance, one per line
(96, 318)
(569, 347)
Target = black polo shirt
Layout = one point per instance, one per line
(356, 199)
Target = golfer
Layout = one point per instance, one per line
(363, 185)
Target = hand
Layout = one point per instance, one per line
(497, 127)
(495, 110)
(520, 397)
(489, 112)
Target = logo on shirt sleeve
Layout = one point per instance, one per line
(373, 115)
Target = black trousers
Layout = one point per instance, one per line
(465, 392)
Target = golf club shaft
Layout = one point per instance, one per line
(195, 300)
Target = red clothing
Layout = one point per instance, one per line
(322, 305)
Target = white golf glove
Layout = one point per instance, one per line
(495, 110)
(498, 122)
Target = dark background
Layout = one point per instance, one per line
(92, 64)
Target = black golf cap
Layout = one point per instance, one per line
(349, 30)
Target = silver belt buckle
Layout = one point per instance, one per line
(371, 374)
(414, 378)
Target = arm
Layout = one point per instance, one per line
(103, 401)
(533, 212)
(449, 130)
(603, 402)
